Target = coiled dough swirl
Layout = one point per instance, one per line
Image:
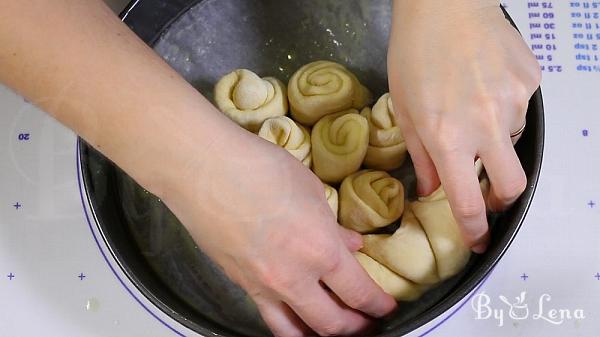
(370, 200)
(387, 149)
(249, 100)
(323, 87)
(284, 132)
(339, 144)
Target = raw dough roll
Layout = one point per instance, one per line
(332, 199)
(370, 200)
(339, 144)
(286, 133)
(324, 87)
(395, 285)
(249, 100)
(435, 216)
(406, 252)
(387, 149)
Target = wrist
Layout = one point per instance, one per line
(184, 151)
(451, 7)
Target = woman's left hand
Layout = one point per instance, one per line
(460, 79)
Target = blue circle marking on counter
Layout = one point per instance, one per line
(585, 132)
(110, 266)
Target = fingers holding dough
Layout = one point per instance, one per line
(387, 148)
(249, 100)
(323, 87)
(339, 144)
(370, 200)
(425, 250)
(286, 133)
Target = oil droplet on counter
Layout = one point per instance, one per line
(92, 305)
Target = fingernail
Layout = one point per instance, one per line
(358, 241)
(353, 240)
(480, 248)
(489, 205)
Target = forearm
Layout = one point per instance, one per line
(78, 62)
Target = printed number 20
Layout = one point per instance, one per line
(23, 136)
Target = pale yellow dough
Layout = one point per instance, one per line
(339, 144)
(387, 149)
(332, 199)
(395, 285)
(284, 132)
(406, 252)
(425, 250)
(370, 200)
(323, 87)
(249, 100)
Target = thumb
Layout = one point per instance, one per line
(351, 239)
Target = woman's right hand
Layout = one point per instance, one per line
(263, 217)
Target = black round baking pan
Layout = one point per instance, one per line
(203, 40)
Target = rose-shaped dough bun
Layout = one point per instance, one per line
(332, 199)
(339, 144)
(387, 149)
(322, 88)
(249, 100)
(370, 200)
(286, 133)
